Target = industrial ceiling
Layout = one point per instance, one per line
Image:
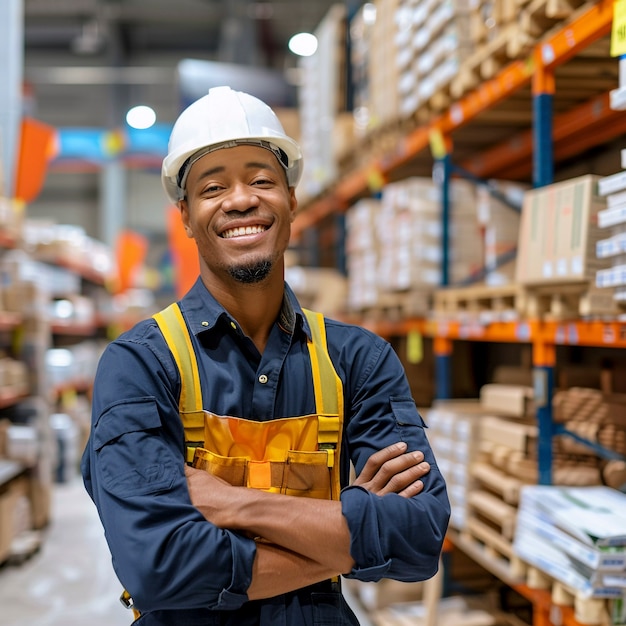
(87, 61)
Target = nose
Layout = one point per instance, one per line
(240, 198)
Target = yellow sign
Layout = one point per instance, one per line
(618, 32)
(437, 144)
(375, 180)
(414, 347)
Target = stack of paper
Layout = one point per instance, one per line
(576, 535)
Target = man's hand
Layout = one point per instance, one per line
(393, 470)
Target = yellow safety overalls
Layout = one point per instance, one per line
(292, 455)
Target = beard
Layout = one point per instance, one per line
(252, 273)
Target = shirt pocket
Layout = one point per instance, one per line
(132, 456)
(406, 412)
(409, 423)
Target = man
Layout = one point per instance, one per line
(241, 356)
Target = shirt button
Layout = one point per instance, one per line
(205, 323)
(262, 379)
(233, 325)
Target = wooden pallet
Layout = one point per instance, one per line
(487, 510)
(591, 611)
(537, 18)
(488, 21)
(481, 302)
(399, 305)
(566, 301)
(497, 481)
(557, 302)
(491, 551)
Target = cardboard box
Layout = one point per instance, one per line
(558, 233)
(497, 431)
(509, 400)
(11, 495)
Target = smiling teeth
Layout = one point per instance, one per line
(243, 230)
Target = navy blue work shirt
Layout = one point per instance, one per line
(181, 569)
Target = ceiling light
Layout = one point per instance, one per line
(141, 117)
(303, 44)
(369, 13)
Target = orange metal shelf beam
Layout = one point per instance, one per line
(543, 607)
(593, 334)
(571, 132)
(576, 333)
(583, 31)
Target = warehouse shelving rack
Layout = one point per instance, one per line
(512, 155)
(557, 126)
(554, 126)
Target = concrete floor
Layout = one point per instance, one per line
(70, 580)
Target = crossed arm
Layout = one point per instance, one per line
(304, 540)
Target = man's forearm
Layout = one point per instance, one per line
(315, 529)
(276, 571)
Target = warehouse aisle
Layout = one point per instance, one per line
(70, 581)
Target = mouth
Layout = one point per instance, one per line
(242, 231)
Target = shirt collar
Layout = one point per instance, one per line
(202, 311)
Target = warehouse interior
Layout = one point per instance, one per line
(463, 197)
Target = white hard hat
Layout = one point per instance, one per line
(225, 118)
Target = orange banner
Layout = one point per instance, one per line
(184, 253)
(131, 249)
(37, 148)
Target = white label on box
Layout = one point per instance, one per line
(547, 269)
(577, 265)
(561, 267)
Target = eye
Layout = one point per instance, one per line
(262, 181)
(211, 189)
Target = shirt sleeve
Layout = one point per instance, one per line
(164, 552)
(391, 536)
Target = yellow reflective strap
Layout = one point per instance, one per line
(324, 375)
(176, 333)
(328, 396)
(328, 429)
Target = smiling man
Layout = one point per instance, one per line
(224, 428)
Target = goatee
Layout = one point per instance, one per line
(250, 274)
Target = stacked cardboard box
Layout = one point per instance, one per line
(576, 536)
(361, 37)
(411, 244)
(557, 245)
(499, 210)
(417, 47)
(321, 100)
(14, 511)
(612, 219)
(362, 254)
(441, 41)
(394, 244)
(453, 430)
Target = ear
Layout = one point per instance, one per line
(183, 207)
(293, 203)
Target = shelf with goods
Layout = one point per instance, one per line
(517, 120)
(481, 123)
(56, 315)
(540, 91)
